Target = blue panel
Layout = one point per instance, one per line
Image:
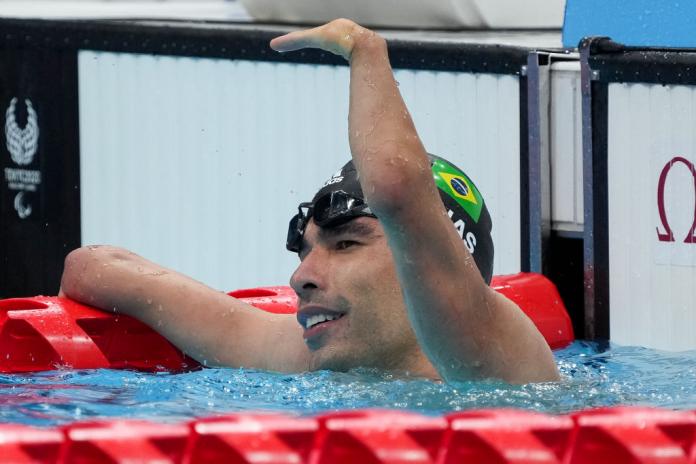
(655, 23)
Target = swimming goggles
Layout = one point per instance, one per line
(330, 210)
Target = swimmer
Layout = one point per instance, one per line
(384, 281)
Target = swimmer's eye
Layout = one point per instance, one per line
(345, 244)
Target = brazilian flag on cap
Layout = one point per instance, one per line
(467, 210)
(458, 186)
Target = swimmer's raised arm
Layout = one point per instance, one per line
(381, 132)
(466, 329)
(208, 325)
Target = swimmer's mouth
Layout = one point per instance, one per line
(312, 317)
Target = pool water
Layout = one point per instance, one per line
(593, 375)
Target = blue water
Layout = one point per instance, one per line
(593, 375)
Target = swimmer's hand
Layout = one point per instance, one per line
(338, 37)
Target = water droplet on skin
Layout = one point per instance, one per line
(159, 308)
(140, 269)
(159, 323)
(149, 301)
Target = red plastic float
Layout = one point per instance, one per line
(20, 444)
(615, 435)
(376, 436)
(507, 436)
(123, 441)
(252, 438)
(634, 435)
(43, 333)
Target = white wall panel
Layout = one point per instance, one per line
(473, 120)
(566, 147)
(199, 163)
(652, 283)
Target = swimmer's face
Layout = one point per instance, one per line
(350, 302)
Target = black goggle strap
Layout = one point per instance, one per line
(297, 226)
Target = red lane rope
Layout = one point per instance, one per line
(42, 333)
(613, 435)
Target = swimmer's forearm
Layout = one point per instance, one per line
(383, 139)
(208, 325)
(109, 278)
(386, 148)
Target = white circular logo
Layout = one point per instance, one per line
(22, 143)
(23, 209)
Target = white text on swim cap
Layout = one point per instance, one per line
(468, 237)
(333, 180)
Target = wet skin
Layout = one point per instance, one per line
(348, 271)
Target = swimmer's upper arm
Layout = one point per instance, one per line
(467, 329)
(208, 325)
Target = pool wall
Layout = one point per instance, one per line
(640, 194)
(223, 151)
(197, 142)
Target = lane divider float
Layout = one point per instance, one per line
(44, 333)
(614, 435)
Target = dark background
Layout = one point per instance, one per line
(32, 250)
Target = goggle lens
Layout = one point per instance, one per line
(331, 209)
(335, 206)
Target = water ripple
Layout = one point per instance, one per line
(594, 375)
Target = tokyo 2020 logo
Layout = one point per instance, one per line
(22, 143)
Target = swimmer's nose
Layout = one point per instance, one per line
(309, 275)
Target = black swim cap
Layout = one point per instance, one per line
(463, 201)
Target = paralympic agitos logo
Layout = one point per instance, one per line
(22, 143)
(667, 234)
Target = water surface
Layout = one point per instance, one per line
(593, 375)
